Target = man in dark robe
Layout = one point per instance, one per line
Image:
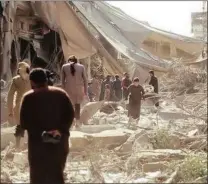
(102, 91)
(126, 82)
(117, 88)
(46, 109)
(136, 94)
(154, 83)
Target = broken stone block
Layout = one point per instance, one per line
(192, 133)
(95, 128)
(139, 139)
(150, 99)
(105, 139)
(172, 115)
(89, 110)
(160, 155)
(7, 136)
(154, 166)
(109, 107)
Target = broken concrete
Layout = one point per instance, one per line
(172, 115)
(80, 140)
(105, 139)
(95, 128)
(139, 139)
(160, 155)
(89, 110)
(154, 166)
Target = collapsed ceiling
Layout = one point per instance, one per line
(124, 33)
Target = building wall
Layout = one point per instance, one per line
(199, 25)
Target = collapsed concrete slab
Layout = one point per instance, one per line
(95, 128)
(154, 166)
(80, 140)
(160, 155)
(172, 115)
(138, 139)
(105, 139)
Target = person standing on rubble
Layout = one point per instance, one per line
(154, 82)
(117, 88)
(126, 82)
(136, 94)
(19, 85)
(74, 81)
(47, 115)
(102, 91)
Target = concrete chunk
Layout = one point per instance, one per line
(95, 128)
(79, 140)
(154, 166)
(160, 155)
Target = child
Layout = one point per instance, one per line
(107, 92)
(91, 95)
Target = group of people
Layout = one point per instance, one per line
(47, 112)
(115, 89)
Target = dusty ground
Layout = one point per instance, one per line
(168, 145)
(163, 149)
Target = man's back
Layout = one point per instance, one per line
(77, 79)
(46, 109)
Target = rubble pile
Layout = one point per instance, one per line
(184, 79)
(159, 151)
(168, 145)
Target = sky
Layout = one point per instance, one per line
(174, 16)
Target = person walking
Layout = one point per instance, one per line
(103, 87)
(47, 115)
(74, 82)
(126, 82)
(154, 82)
(117, 88)
(20, 84)
(136, 94)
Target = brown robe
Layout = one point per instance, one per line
(18, 87)
(154, 83)
(75, 85)
(46, 109)
(135, 95)
(126, 82)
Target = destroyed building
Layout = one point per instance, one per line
(48, 32)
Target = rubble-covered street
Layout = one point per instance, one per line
(167, 146)
(168, 72)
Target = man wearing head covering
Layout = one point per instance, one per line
(102, 91)
(47, 115)
(126, 82)
(136, 93)
(154, 82)
(20, 84)
(117, 88)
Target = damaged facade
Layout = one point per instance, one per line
(48, 32)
